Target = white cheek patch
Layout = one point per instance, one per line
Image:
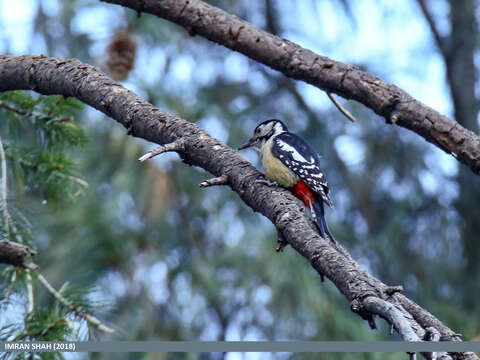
(295, 154)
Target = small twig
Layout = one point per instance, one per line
(22, 161)
(341, 108)
(78, 311)
(439, 39)
(220, 180)
(177, 145)
(11, 108)
(73, 179)
(30, 298)
(6, 214)
(30, 266)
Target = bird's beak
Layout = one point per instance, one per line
(247, 144)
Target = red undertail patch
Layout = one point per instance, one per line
(303, 192)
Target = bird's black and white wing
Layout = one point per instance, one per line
(299, 157)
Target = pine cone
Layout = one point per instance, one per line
(121, 55)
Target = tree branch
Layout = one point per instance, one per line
(439, 39)
(174, 146)
(387, 100)
(392, 315)
(220, 180)
(340, 108)
(88, 84)
(76, 309)
(13, 253)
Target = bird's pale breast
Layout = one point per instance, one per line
(274, 169)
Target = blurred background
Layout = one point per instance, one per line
(154, 256)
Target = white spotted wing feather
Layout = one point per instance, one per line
(299, 157)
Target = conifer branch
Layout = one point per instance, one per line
(6, 214)
(30, 296)
(11, 108)
(76, 309)
(73, 179)
(9, 223)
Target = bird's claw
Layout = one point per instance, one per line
(267, 182)
(280, 246)
(281, 242)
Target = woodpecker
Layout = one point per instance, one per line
(289, 161)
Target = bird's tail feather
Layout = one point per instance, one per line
(318, 207)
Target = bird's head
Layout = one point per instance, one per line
(263, 132)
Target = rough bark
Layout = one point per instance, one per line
(88, 84)
(387, 100)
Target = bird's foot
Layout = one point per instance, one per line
(281, 242)
(267, 182)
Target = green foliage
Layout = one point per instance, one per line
(39, 139)
(51, 116)
(13, 281)
(39, 135)
(85, 299)
(46, 324)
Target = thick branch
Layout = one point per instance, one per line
(387, 100)
(88, 84)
